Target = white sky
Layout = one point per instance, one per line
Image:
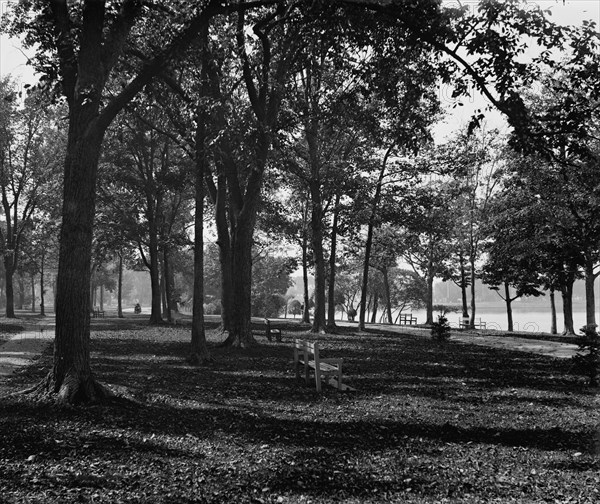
(572, 12)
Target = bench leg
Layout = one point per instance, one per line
(318, 380)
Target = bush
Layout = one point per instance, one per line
(587, 360)
(212, 308)
(440, 330)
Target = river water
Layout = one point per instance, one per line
(525, 318)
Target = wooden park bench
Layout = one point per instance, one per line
(464, 324)
(98, 313)
(272, 331)
(306, 354)
(407, 319)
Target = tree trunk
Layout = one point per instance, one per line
(473, 278)
(508, 301)
(241, 325)
(429, 304)
(10, 294)
(306, 306)
(318, 256)
(33, 310)
(374, 313)
(590, 298)
(120, 288)
(42, 288)
(198, 347)
(368, 245)
(553, 329)
(567, 299)
(463, 289)
(21, 297)
(102, 297)
(225, 253)
(388, 295)
(71, 377)
(155, 311)
(162, 285)
(332, 266)
(168, 285)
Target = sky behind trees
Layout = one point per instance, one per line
(13, 61)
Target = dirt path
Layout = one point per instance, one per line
(23, 348)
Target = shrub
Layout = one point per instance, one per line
(587, 360)
(440, 330)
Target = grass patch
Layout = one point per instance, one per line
(429, 423)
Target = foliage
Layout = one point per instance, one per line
(440, 329)
(270, 281)
(587, 359)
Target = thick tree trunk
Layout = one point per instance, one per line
(508, 301)
(553, 328)
(120, 288)
(71, 377)
(241, 321)
(590, 297)
(332, 266)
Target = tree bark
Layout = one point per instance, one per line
(590, 297)
(32, 278)
(374, 312)
(198, 347)
(473, 304)
(388, 295)
(508, 301)
(9, 286)
(42, 288)
(553, 329)
(567, 299)
(306, 306)
(368, 245)
(319, 324)
(120, 287)
(71, 377)
(463, 289)
(155, 311)
(332, 266)
(429, 303)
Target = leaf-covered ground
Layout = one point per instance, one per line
(428, 423)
